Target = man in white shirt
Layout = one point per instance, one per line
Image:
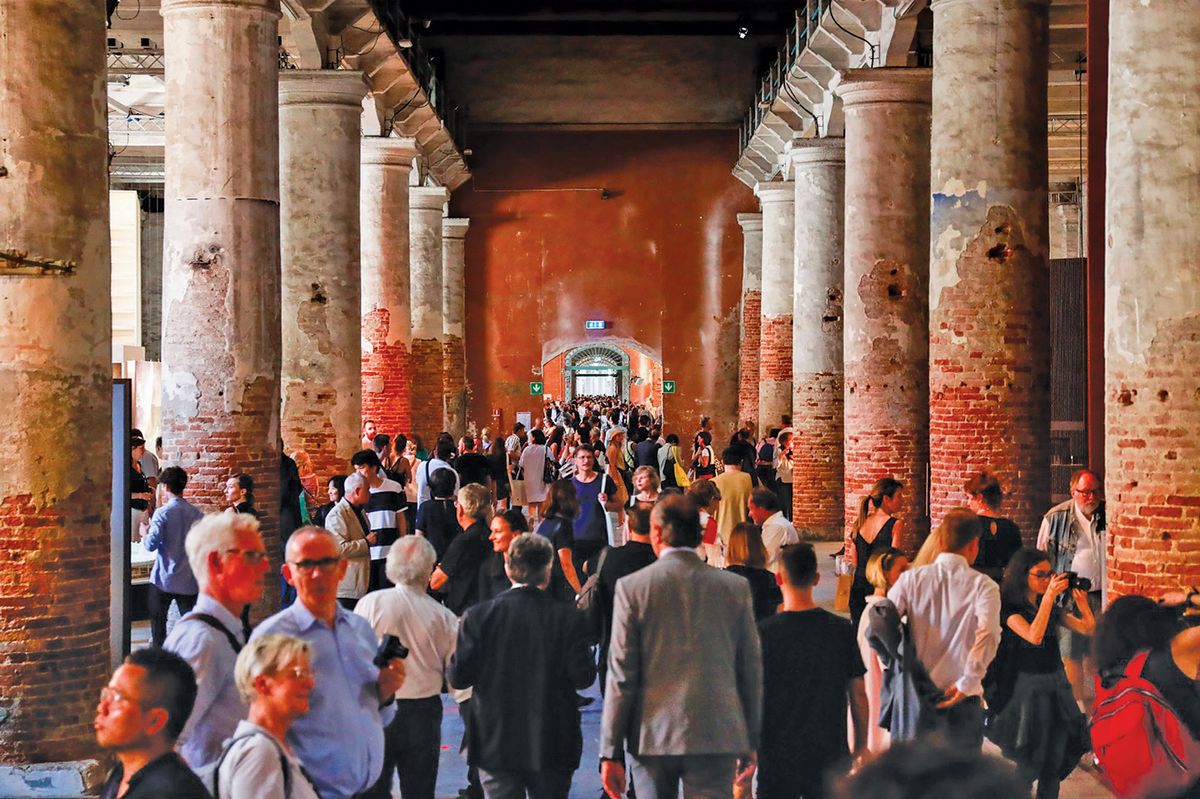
(1073, 533)
(777, 532)
(412, 742)
(441, 460)
(954, 618)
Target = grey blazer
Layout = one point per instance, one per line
(684, 664)
(352, 542)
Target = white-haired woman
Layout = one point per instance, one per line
(274, 675)
(413, 741)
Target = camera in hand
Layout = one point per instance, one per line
(389, 649)
(1074, 581)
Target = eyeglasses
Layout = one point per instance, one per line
(251, 556)
(1087, 492)
(1042, 575)
(111, 696)
(323, 564)
(297, 672)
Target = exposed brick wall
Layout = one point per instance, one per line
(989, 404)
(750, 349)
(1153, 465)
(309, 426)
(817, 467)
(775, 371)
(428, 379)
(454, 385)
(386, 377)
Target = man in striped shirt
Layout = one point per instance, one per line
(384, 510)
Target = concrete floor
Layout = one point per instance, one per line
(452, 774)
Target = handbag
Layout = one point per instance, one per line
(549, 469)
(518, 496)
(845, 580)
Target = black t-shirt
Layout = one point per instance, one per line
(138, 484)
(166, 775)
(1000, 541)
(473, 468)
(619, 562)
(646, 453)
(1025, 657)
(560, 532)
(437, 519)
(809, 659)
(764, 590)
(461, 563)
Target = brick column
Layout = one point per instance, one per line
(751, 316)
(428, 331)
(1152, 309)
(384, 249)
(319, 117)
(454, 309)
(55, 376)
(818, 170)
(221, 293)
(775, 351)
(886, 330)
(989, 404)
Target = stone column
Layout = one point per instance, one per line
(319, 117)
(886, 331)
(1152, 308)
(386, 321)
(775, 351)
(989, 404)
(428, 330)
(454, 311)
(55, 380)
(221, 294)
(818, 169)
(751, 316)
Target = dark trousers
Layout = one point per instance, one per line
(412, 744)
(508, 784)
(793, 778)
(960, 725)
(159, 603)
(785, 499)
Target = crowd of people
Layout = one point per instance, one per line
(518, 569)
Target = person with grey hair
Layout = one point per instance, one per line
(524, 654)
(412, 742)
(355, 539)
(274, 675)
(229, 562)
(457, 576)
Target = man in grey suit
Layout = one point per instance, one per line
(684, 688)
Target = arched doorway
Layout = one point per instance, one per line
(596, 370)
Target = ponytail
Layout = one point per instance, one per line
(884, 487)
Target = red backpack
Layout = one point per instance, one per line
(1143, 749)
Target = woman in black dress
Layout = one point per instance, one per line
(1035, 720)
(875, 529)
(239, 493)
(746, 555)
(1001, 537)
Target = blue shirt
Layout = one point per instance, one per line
(168, 528)
(219, 706)
(340, 738)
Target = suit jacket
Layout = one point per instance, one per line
(684, 662)
(344, 523)
(525, 654)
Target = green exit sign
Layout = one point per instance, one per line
(535, 388)
(668, 386)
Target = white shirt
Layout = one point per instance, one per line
(777, 532)
(428, 628)
(424, 470)
(1086, 562)
(954, 617)
(252, 769)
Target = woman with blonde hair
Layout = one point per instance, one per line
(883, 570)
(647, 486)
(746, 555)
(875, 529)
(274, 675)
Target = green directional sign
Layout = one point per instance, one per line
(535, 388)
(668, 386)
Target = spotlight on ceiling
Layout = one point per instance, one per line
(743, 26)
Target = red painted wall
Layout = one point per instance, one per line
(660, 260)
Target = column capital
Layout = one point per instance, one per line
(389, 150)
(173, 6)
(455, 227)
(816, 151)
(776, 192)
(427, 198)
(860, 87)
(750, 222)
(322, 87)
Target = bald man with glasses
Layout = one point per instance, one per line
(340, 738)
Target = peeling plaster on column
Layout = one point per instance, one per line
(425, 243)
(748, 344)
(454, 303)
(775, 350)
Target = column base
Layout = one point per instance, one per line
(52, 780)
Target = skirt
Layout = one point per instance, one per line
(1030, 728)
